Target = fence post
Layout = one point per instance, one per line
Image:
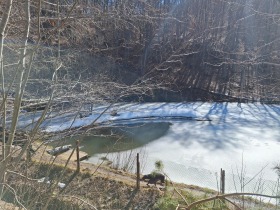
(78, 154)
(137, 172)
(222, 182)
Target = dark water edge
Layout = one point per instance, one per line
(117, 138)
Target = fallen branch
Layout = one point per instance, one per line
(189, 207)
(85, 202)
(14, 193)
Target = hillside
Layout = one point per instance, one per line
(151, 51)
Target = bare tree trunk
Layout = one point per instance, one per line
(19, 93)
(22, 73)
(3, 24)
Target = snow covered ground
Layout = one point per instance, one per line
(194, 151)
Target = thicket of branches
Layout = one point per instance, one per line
(226, 47)
(202, 49)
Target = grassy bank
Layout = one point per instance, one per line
(102, 187)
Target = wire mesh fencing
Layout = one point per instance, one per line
(233, 181)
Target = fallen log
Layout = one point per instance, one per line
(84, 158)
(59, 150)
(35, 106)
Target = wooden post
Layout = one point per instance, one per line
(137, 172)
(222, 182)
(78, 154)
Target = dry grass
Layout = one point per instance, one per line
(7, 206)
(101, 186)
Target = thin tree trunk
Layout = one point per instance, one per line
(3, 24)
(20, 82)
(19, 93)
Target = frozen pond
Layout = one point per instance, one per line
(193, 152)
(194, 140)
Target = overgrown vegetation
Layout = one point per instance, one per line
(146, 50)
(207, 50)
(171, 199)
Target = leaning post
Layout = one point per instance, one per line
(137, 172)
(222, 183)
(78, 154)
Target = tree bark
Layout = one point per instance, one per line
(20, 83)
(3, 25)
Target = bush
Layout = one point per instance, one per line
(159, 165)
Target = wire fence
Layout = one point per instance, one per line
(233, 182)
